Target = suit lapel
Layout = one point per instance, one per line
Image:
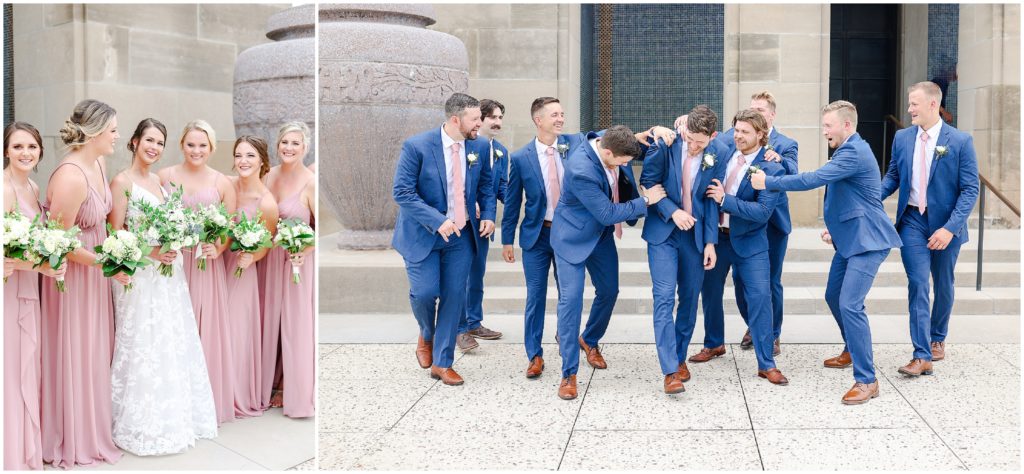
(675, 168)
(468, 182)
(907, 165)
(437, 150)
(596, 161)
(942, 141)
(744, 182)
(534, 164)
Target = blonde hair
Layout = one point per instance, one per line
(765, 96)
(295, 126)
(202, 126)
(89, 119)
(930, 89)
(845, 110)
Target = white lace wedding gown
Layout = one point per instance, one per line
(162, 400)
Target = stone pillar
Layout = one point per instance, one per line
(274, 82)
(383, 78)
(783, 49)
(989, 96)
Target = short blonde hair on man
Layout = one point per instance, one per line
(930, 89)
(845, 110)
(202, 126)
(765, 96)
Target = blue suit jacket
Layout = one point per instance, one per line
(853, 209)
(952, 181)
(421, 192)
(749, 210)
(663, 165)
(585, 208)
(788, 149)
(525, 178)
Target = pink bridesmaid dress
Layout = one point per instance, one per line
(209, 291)
(288, 323)
(246, 342)
(22, 440)
(77, 347)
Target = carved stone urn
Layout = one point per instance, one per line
(383, 78)
(275, 82)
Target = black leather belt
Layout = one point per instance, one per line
(724, 230)
(918, 209)
(547, 223)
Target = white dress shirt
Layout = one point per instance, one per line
(611, 174)
(542, 157)
(446, 143)
(744, 164)
(694, 169)
(929, 152)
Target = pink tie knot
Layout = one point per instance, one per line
(924, 137)
(455, 147)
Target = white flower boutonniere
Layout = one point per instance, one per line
(769, 147)
(753, 169)
(498, 153)
(708, 161)
(472, 158)
(562, 148)
(940, 151)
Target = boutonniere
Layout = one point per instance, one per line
(940, 151)
(498, 154)
(753, 169)
(562, 148)
(769, 147)
(708, 161)
(472, 158)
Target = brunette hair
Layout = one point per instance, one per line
(25, 127)
(261, 150)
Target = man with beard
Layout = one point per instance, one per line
(442, 174)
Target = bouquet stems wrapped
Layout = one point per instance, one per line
(249, 235)
(122, 251)
(294, 236)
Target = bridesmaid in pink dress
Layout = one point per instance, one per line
(78, 326)
(289, 309)
(251, 163)
(23, 451)
(204, 186)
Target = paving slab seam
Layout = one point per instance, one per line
(750, 417)
(425, 392)
(912, 407)
(1000, 356)
(574, 420)
(268, 468)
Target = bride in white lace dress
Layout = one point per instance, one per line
(162, 400)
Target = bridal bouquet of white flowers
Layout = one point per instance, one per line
(52, 243)
(215, 226)
(294, 236)
(249, 235)
(17, 238)
(122, 251)
(170, 225)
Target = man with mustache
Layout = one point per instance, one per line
(442, 174)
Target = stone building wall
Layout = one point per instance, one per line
(170, 62)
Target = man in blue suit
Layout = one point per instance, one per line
(599, 194)
(470, 324)
(935, 168)
(859, 230)
(442, 174)
(681, 235)
(743, 239)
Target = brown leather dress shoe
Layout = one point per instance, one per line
(938, 350)
(594, 357)
(683, 373)
(706, 354)
(424, 352)
(446, 375)
(567, 389)
(465, 342)
(485, 334)
(861, 393)
(917, 367)
(841, 361)
(774, 376)
(535, 368)
(673, 384)
(747, 342)
(776, 350)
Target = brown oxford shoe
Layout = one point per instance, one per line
(917, 367)
(567, 389)
(706, 354)
(938, 350)
(446, 375)
(424, 352)
(535, 368)
(841, 361)
(465, 342)
(673, 384)
(485, 334)
(683, 372)
(774, 376)
(747, 342)
(594, 357)
(776, 350)
(861, 393)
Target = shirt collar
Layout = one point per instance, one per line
(446, 141)
(934, 131)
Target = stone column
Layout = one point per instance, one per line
(766, 48)
(989, 96)
(383, 78)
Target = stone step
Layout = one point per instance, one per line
(638, 299)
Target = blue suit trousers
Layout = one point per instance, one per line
(849, 280)
(437, 292)
(777, 243)
(921, 263)
(676, 268)
(537, 262)
(473, 314)
(603, 266)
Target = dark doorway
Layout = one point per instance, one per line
(864, 69)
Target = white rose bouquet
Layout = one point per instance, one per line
(52, 243)
(122, 251)
(170, 225)
(17, 238)
(249, 235)
(294, 236)
(215, 226)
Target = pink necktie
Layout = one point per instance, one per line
(922, 179)
(688, 185)
(554, 187)
(614, 174)
(460, 187)
(740, 160)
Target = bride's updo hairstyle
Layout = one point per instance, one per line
(89, 119)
